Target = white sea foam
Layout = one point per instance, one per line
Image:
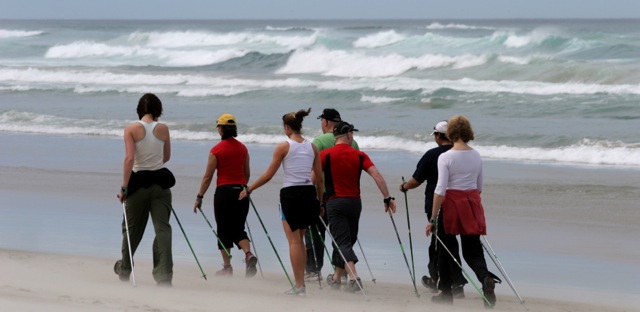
(379, 99)
(379, 39)
(8, 33)
(585, 152)
(514, 59)
(357, 64)
(24, 79)
(191, 85)
(138, 55)
(437, 25)
(512, 40)
(185, 39)
(289, 28)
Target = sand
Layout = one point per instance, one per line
(50, 282)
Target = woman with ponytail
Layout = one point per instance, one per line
(300, 200)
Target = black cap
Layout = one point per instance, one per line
(331, 115)
(343, 127)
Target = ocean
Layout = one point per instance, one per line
(551, 91)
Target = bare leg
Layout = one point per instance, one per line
(297, 252)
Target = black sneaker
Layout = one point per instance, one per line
(332, 283)
(488, 287)
(458, 291)
(430, 284)
(354, 285)
(117, 268)
(443, 298)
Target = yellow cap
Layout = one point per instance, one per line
(226, 120)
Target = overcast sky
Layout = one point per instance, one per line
(316, 9)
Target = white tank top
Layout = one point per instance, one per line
(149, 151)
(297, 164)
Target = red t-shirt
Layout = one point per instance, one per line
(342, 166)
(231, 156)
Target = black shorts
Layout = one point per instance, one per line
(300, 206)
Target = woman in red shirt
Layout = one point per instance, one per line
(231, 158)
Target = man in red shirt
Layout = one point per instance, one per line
(342, 166)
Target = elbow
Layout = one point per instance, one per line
(128, 160)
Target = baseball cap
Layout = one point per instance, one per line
(331, 115)
(440, 127)
(343, 127)
(226, 120)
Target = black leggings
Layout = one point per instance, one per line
(231, 215)
(471, 251)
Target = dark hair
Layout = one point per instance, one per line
(149, 104)
(443, 136)
(459, 128)
(294, 119)
(228, 131)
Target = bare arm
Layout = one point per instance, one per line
(162, 132)
(212, 164)
(129, 147)
(411, 184)
(382, 186)
(247, 169)
(278, 155)
(316, 175)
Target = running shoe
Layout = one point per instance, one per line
(354, 285)
(251, 262)
(332, 283)
(311, 276)
(429, 283)
(117, 268)
(488, 287)
(458, 291)
(443, 298)
(297, 292)
(227, 270)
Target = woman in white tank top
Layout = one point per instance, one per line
(145, 189)
(300, 200)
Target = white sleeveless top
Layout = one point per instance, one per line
(149, 151)
(297, 164)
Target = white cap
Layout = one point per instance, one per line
(440, 127)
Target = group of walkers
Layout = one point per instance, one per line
(321, 188)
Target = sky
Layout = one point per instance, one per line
(317, 9)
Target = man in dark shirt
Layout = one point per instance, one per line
(427, 170)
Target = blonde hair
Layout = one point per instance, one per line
(459, 127)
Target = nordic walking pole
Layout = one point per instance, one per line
(406, 204)
(463, 270)
(214, 233)
(254, 247)
(404, 254)
(269, 237)
(315, 258)
(373, 279)
(346, 264)
(326, 250)
(188, 243)
(126, 225)
(494, 257)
